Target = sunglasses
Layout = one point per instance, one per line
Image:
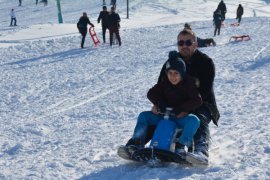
(187, 42)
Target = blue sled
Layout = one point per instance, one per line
(164, 135)
(161, 146)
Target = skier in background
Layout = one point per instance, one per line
(20, 2)
(82, 26)
(13, 17)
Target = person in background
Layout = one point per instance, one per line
(45, 2)
(222, 8)
(114, 25)
(103, 16)
(202, 42)
(239, 13)
(13, 17)
(20, 2)
(113, 3)
(218, 18)
(82, 26)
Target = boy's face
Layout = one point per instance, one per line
(174, 76)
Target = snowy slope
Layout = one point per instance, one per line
(64, 110)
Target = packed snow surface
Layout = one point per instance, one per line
(65, 110)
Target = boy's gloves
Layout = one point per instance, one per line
(176, 111)
(161, 108)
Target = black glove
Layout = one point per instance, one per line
(176, 111)
(161, 108)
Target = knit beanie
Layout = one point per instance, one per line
(176, 63)
(187, 26)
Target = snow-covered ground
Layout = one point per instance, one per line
(65, 110)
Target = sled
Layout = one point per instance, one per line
(222, 24)
(235, 24)
(161, 149)
(158, 156)
(240, 38)
(152, 156)
(93, 36)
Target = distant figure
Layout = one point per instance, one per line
(205, 42)
(223, 9)
(114, 25)
(239, 13)
(20, 2)
(45, 2)
(202, 42)
(113, 3)
(218, 18)
(82, 26)
(13, 17)
(104, 3)
(103, 16)
(36, 2)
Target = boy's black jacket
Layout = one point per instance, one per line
(202, 69)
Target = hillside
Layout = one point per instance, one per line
(65, 110)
